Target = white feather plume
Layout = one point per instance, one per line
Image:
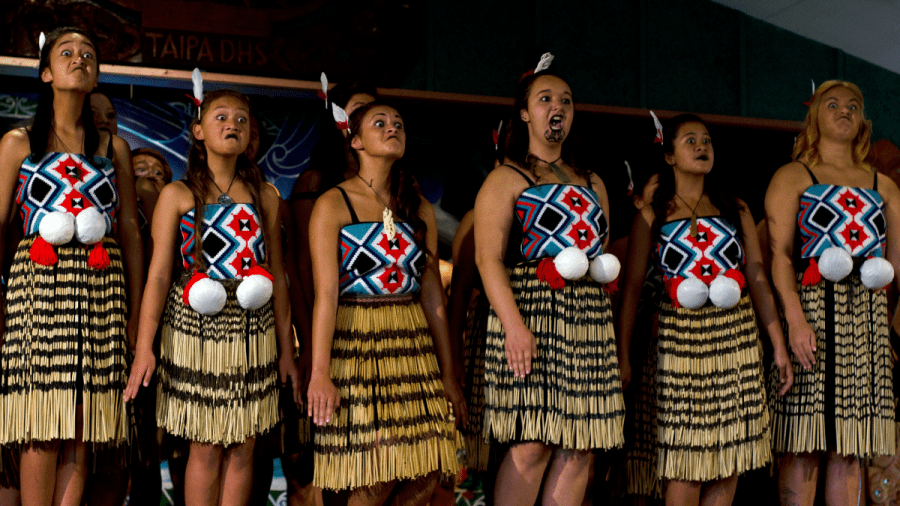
(324, 80)
(813, 86)
(630, 179)
(42, 39)
(544, 64)
(197, 79)
(659, 128)
(340, 117)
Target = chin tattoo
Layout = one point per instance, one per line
(554, 135)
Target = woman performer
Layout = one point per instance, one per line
(828, 213)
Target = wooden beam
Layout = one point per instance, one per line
(147, 76)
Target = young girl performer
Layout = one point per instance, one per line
(712, 416)
(219, 359)
(551, 379)
(377, 392)
(63, 357)
(828, 213)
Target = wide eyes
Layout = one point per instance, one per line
(834, 105)
(67, 52)
(547, 98)
(380, 123)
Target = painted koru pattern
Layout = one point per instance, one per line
(232, 240)
(850, 218)
(372, 264)
(715, 249)
(67, 183)
(556, 216)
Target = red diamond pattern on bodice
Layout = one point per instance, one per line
(244, 225)
(575, 201)
(74, 202)
(71, 170)
(849, 203)
(392, 278)
(854, 235)
(581, 234)
(705, 237)
(394, 248)
(243, 261)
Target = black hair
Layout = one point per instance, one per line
(664, 196)
(342, 93)
(42, 121)
(516, 139)
(405, 197)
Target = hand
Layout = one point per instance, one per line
(521, 347)
(802, 339)
(785, 370)
(141, 371)
(456, 399)
(323, 398)
(625, 372)
(287, 370)
(131, 330)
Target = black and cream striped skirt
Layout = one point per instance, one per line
(218, 375)
(844, 403)
(393, 421)
(477, 448)
(712, 412)
(573, 396)
(64, 350)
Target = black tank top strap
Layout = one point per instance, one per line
(528, 179)
(109, 147)
(875, 184)
(815, 181)
(349, 205)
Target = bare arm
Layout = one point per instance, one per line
(164, 230)
(891, 195)
(129, 236)
(287, 368)
(763, 300)
(461, 287)
(432, 300)
(640, 243)
(494, 211)
(325, 225)
(14, 148)
(782, 206)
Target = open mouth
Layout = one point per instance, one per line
(556, 122)
(705, 158)
(232, 136)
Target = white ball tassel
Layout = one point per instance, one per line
(90, 226)
(605, 268)
(876, 273)
(571, 263)
(724, 292)
(692, 293)
(57, 227)
(205, 295)
(835, 264)
(255, 290)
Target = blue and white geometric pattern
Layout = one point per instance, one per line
(371, 264)
(714, 250)
(843, 216)
(68, 183)
(232, 240)
(556, 216)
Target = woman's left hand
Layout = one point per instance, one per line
(782, 361)
(287, 368)
(455, 396)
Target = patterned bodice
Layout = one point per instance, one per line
(371, 264)
(844, 216)
(715, 249)
(232, 240)
(68, 183)
(556, 216)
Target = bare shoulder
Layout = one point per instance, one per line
(792, 175)
(330, 202)
(120, 146)
(177, 194)
(505, 180)
(887, 187)
(16, 144)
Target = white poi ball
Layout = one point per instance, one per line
(605, 268)
(57, 227)
(835, 263)
(254, 291)
(571, 263)
(724, 292)
(90, 226)
(692, 293)
(876, 273)
(207, 296)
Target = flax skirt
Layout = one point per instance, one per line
(218, 375)
(477, 449)
(641, 457)
(573, 396)
(712, 412)
(65, 344)
(845, 402)
(393, 421)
